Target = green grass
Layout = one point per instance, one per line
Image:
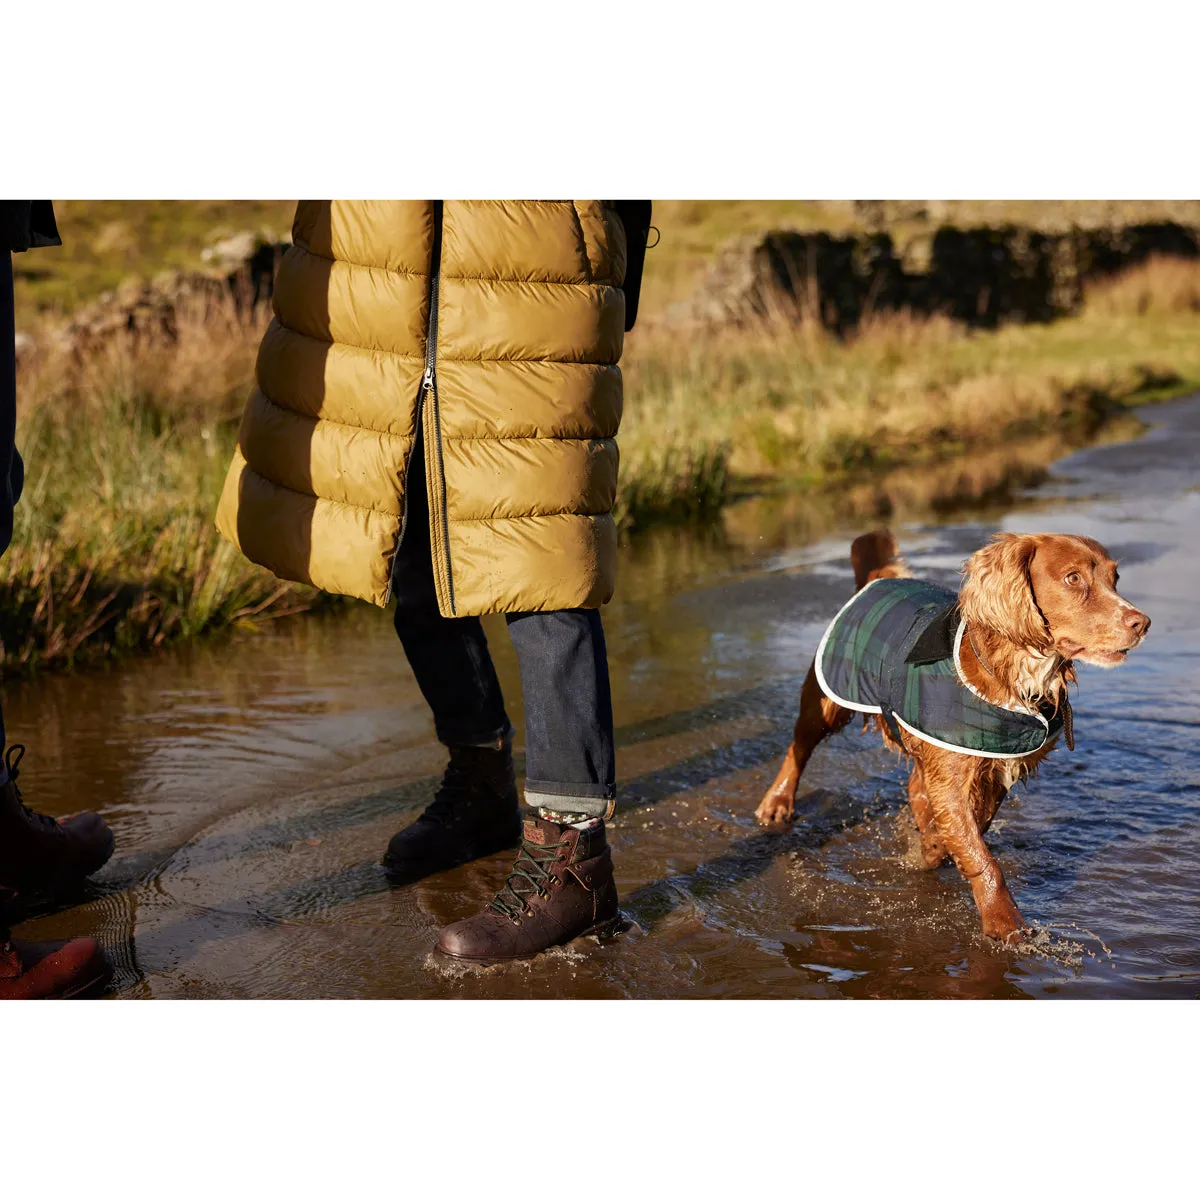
(781, 408)
(113, 545)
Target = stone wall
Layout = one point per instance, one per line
(982, 276)
(244, 279)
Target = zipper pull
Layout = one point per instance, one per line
(427, 382)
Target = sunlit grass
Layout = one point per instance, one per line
(125, 451)
(127, 445)
(800, 408)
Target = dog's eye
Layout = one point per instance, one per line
(1074, 579)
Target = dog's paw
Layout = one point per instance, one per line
(1004, 923)
(775, 811)
(933, 851)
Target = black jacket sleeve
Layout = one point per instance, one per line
(635, 216)
(27, 224)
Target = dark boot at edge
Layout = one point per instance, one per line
(40, 854)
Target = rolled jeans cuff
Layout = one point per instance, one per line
(590, 800)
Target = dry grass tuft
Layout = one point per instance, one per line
(1158, 287)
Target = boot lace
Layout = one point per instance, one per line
(527, 878)
(12, 759)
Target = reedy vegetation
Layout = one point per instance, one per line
(126, 446)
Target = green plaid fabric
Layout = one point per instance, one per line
(864, 664)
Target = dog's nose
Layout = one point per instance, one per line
(1137, 622)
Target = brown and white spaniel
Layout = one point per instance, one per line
(1030, 607)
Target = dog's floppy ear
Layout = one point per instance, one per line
(997, 592)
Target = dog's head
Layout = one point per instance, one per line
(1052, 593)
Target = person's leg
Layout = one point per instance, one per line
(11, 472)
(561, 885)
(8, 424)
(35, 851)
(448, 655)
(569, 763)
(475, 811)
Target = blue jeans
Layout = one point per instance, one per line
(569, 760)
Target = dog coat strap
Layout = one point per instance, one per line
(889, 719)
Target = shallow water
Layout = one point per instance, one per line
(253, 785)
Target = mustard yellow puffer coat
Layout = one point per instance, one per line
(492, 326)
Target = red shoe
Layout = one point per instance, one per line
(52, 970)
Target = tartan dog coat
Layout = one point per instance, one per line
(894, 650)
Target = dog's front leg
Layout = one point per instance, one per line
(778, 805)
(950, 782)
(819, 717)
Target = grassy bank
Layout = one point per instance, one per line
(781, 407)
(127, 447)
(125, 451)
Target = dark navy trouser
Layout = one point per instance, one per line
(12, 472)
(569, 759)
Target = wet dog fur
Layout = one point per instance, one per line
(1034, 605)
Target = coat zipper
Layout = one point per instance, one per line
(417, 419)
(432, 425)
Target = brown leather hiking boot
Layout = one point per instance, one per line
(560, 888)
(474, 813)
(48, 970)
(40, 854)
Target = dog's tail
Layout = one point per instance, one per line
(873, 556)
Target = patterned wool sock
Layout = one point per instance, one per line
(575, 820)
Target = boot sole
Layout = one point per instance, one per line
(599, 929)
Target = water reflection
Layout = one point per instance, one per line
(253, 782)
